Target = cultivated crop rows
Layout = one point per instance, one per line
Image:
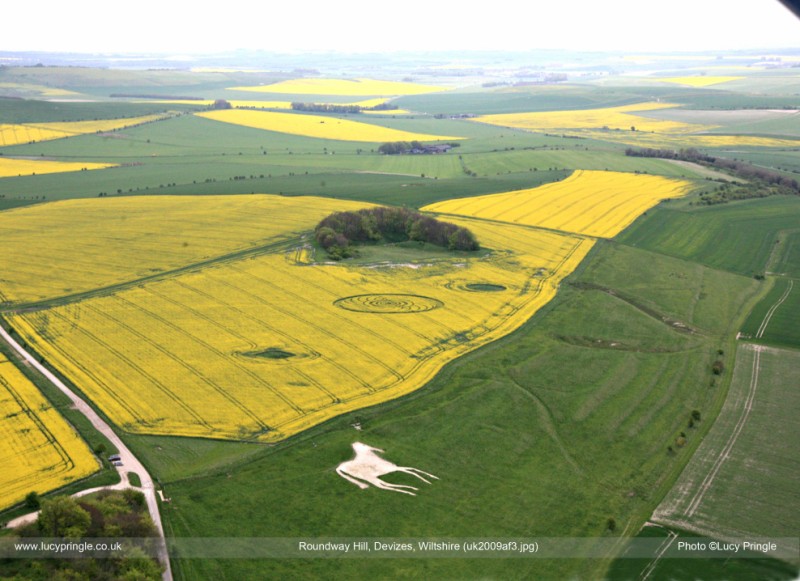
(264, 347)
(98, 243)
(39, 451)
(594, 203)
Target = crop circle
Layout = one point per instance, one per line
(484, 287)
(388, 303)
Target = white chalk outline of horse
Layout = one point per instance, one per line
(367, 466)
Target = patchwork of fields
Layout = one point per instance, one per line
(39, 450)
(14, 134)
(206, 321)
(625, 125)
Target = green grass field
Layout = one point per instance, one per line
(739, 237)
(741, 482)
(776, 319)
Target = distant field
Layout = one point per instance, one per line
(32, 132)
(20, 167)
(698, 81)
(349, 87)
(39, 450)
(630, 124)
(739, 236)
(318, 126)
(742, 480)
(593, 203)
(778, 122)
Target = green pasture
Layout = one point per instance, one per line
(739, 236)
(782, 159)
(742, 480)
(778, 123)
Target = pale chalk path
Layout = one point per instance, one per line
(129, 462)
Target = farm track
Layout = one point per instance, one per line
(130, 462)
(772, 309)
(723, 456)
(270, 248)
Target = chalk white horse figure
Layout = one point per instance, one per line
(368, 467)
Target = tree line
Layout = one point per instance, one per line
(333, 108)
(738, 168)
(338, 232)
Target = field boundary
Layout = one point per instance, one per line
(270, 248)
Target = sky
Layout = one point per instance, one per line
(178, 26)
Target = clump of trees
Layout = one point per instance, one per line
(107, 514)
(400, 147)
(334, 108)
(338, 232)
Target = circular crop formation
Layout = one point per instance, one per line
(388, 303)
(476, 287)
(484, 287)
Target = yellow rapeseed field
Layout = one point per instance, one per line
(15, 134)
(24, 167)
(317, 126)
(624, 125)
(593, 203)
(74, 246)
(613, 118)
(699, 81)
(264, 346)
(39, 450)
(345, 87)
(38, 90)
